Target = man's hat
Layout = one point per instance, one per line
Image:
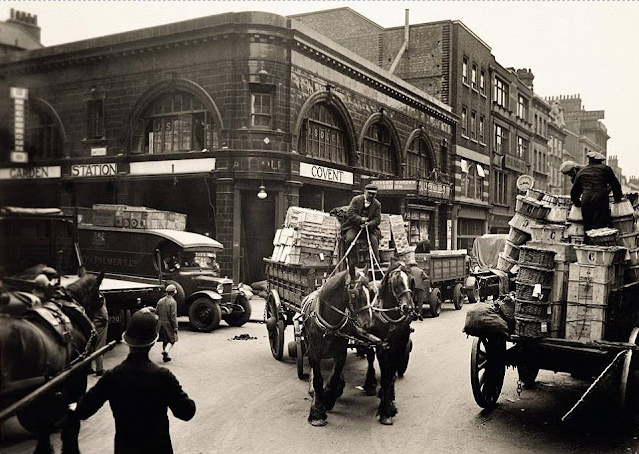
(567, 166)
(595, 156)
(141, 331)
(171, 288)
(371, 188)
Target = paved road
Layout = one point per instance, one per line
(250, 403)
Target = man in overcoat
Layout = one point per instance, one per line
(364, 211)
(139, 392)
(590, 191)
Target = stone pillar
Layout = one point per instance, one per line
(225, 197)
(438, 229)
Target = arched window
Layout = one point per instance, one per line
(323, 135)
(418, 159)
(175, 122)
(42, 136)
(378, 149)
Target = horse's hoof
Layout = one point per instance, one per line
(386, 420)
(318, 422)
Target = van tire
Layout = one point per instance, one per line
(179, 296)
(205, 314)
(238, 319)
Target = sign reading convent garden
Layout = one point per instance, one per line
(325, 173)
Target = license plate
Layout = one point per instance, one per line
(115, 319)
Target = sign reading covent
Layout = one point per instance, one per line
(317, 172)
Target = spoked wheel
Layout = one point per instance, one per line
(403, 365)
(299, 349)
(435, 300)
(275, 325)
(487, 370)
(458, 296)
(627, 371)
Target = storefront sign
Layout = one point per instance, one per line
(325, 173)
(174, 166)
(99, 151)
(19, 96)
(257, 164)
(514, 163)
(396, 185)
(434, 189)
(28, 173)
(107, 169)
(585, 115)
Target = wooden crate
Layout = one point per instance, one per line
(557, 319)
(559, 290)
(563, 251)
(585, 322)
(588, 292)
(611, 275)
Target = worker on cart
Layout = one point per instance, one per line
(364, 211)
(590, 191)
(570, 168)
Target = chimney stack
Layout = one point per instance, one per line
(26, 21)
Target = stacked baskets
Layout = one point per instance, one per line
(574, 231)
(533, 289)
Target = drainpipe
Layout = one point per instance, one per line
(404, 47)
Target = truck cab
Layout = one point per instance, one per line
(185, 259)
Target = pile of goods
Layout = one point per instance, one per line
(309, 237)
(111, 215)
(564, 288)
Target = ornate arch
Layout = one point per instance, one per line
(380, 117)
(420, 133)
(167, 86)
(48, 108)
(324, 96)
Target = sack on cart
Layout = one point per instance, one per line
(490, 319)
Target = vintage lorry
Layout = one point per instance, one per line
(31, 239)
(184, 259)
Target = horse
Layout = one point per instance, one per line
(42, 341)
(392, 314)
(336, 313)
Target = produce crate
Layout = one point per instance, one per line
(522, 223)
(525, 291)
(527, 308)
(603, 237)
(511, 250)
(625, 224)
(611, 275)
(538, 257)
(547, 233)
(295, 282)
(536, 194)
(530, 274)
(531, 208)
(518, 237)
(558, 319)
(599, 255)
(505, 264)
(564, 252)
(575, 215)
(531, 327)
(574, 229)
(585, 322)
(588, 292)
(628, 240)
(558, 215)
(622, 209)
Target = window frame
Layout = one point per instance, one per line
(473, 76)
(465, 70)
(501, 140)
(334, 146)
(464, 122)
(473, 125)
(482, 82)
(261, 91)
(522, 147)
(377, 146)
(96, 124)
(481, 133)
(500, 188)
(522, 107)
(501, 92)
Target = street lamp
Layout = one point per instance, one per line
(262, 193)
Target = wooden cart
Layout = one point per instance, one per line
(447, 272)
(491, 356)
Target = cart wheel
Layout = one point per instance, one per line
(275, 325)
(458, 296)
(625, 372)
(473, 293)
(487, 370)
(403, 365)
(527, 374)
(435, 300)
(299, 349)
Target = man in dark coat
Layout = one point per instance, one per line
(590, 191)
(364, 210)
(139, 393)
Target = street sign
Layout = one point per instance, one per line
(19, 93)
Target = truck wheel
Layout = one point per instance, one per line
(204, 314)
(435, 300)
(458, 296)
(238, 318)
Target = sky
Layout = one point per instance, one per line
(572, 47)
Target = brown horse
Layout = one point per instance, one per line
(392, 314)
(338, 312)
(39, 344)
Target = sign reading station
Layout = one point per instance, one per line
(107, 169)
(325, 173)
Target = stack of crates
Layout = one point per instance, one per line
(599, 271)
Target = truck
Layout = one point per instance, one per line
(34, 238)
(185, 259)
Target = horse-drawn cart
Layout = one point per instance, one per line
(447, 272)
(288, 285)
(491, 355)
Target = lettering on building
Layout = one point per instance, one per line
(27, 173)
(94, 170)
(325, 173)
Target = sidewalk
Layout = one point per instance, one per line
(257, 309)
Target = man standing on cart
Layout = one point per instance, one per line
(364, 211)
(590, 191)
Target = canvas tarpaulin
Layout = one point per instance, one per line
(486, 249)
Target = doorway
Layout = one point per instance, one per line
(257, 232)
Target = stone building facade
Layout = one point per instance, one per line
(194, 116)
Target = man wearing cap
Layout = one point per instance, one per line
(139, 393)
(571, 169)
(166, 311)
(590, 191)
(364, 211)
(43, 288)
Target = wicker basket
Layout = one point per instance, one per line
(518, 237)
(598, 255)
(531, 208)
(530, 274)
(564, 201)
(543, 258)
(621, 209)
(525, 292)
(624, 224)
(575, 214)
(531, 327)
(505, 264)
(574, 229)
(558, 214)
(522, 223)
(629, 240)
(603, 237)
(536, 194)
(535, 309)
(511, 250)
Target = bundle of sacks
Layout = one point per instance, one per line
(491, 318)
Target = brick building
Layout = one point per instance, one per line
(447, 60)
(19, 32)
(194, 116)
(559, 183)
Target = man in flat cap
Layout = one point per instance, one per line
(590, 191)
(364, 210)
(570, 168)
